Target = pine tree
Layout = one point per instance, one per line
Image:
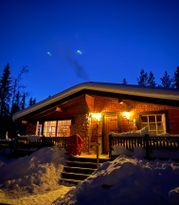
(32, 101)
(176, 78)
(16, 104)
(166, 80)
(5, 92)
(23, 101)
(143, 78)
(12, 98)
(151, 80)
(124, 81)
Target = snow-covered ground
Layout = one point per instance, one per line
(128, 181)
(140, 152)
(34, 199)
(32, 179)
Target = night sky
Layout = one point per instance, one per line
(65, 42)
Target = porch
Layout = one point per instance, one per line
(129, 141)
(153, 146)
(26, 144)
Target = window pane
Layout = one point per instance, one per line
(159, 118)
(151, 118)
(152, 126)
(63, 129)
(144, 125)
(159, 126)
(155, 123)
(50, 128)
(144, 118)
(57, 128)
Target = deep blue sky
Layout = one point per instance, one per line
(117, 39)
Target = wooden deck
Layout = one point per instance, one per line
(28, 144)
(149, 143)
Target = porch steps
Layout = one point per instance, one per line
(91, 165)
(77, 169)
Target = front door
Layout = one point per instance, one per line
(110, 124)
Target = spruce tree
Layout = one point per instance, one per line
(151, 80)
(124, 81)
(176, 78)
(5, 92)
(166, 80)
(143, 78)
(32, 101)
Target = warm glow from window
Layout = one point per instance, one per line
(57, 128)
(96, 116)
(126, 115)
(155, 123)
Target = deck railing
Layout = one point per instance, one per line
(40, 141)
(29, 143)
(149, 143)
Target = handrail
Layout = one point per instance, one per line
(28, 142)
(148, 142)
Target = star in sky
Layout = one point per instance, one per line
(79, 52)
(49, 53)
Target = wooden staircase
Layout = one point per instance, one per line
(78, 169)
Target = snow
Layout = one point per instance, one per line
(34, 180)
(128, 181)
(31, 138)
(174, 196)
(133, 133)
(35, 199)
(33, 177)
(140, 152)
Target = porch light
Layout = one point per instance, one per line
(96, 116)
(126, 115)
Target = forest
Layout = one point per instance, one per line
(13, 98)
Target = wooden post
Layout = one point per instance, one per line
(110, 146)
(97, 146)
(147, 148)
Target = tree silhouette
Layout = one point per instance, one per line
(143, 78)
(5, 91)
(166, 80)
(151, 80)
(32, 101)
(176, 78)
(12, 98)
(18, 94)
(124, 81)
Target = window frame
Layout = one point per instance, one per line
(55, 127)
(163, 121)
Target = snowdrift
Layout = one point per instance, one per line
(36, 173)
(128, 181)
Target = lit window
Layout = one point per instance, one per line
(57, 128)
(50, 128)
(156, 123)
(39, 129)
(63, 128)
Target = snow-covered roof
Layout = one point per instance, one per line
(131, 90)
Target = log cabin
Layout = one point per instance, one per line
(93, 110)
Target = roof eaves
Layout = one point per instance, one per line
(103, 87)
